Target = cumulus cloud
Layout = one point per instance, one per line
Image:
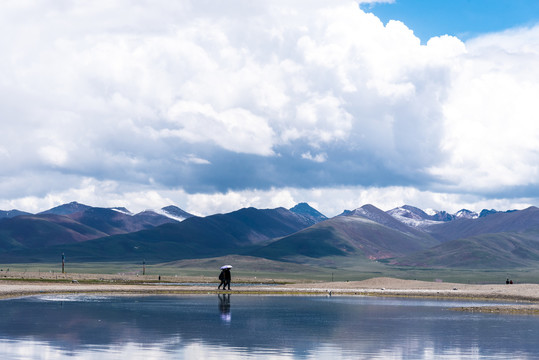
(490, 117)
(207, 99)
(237, 129)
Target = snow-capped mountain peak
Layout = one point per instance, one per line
(416, 217)
(466, 214)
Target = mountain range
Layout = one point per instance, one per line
(404, 236)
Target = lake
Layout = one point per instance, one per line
(249, 327)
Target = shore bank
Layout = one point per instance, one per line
(524, 296)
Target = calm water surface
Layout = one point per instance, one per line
(248, 327)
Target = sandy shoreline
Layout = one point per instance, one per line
(524, 296)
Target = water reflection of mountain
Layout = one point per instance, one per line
(298, 325)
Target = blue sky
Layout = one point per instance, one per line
(462, 18)
(217, 105)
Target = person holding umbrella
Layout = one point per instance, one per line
(222, 278)
(225, 277)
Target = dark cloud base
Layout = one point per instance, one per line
(232, 171)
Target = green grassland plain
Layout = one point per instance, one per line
(259, 270)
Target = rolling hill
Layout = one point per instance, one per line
(215, 235)
(492, 240)
(71, 223)
(498, 250)
(514, 221)
(351, 234)
(40, 231)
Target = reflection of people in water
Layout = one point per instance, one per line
(224, 307)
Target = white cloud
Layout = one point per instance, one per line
(4, 152)
(235, 129)
(331, 201)
(491, 127)
(191, 158)
(142, 95)
(320, 120)
(320, 158)
(53, 155)
(209, 76)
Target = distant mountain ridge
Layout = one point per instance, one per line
(416, 217)
(449, 230)
(174, 212)
(66, 209)
(74, 223)
(215, 235)
(403, 236)
(73, 207)
(411, 212)
(11, 213)
(358, 233)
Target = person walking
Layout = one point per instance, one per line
(228, 278)
(222, 278)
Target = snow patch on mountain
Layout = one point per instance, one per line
(404, 213)
(122, 210)
(412, 218)
(174, 212)
(169, 215)
(357, 219)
